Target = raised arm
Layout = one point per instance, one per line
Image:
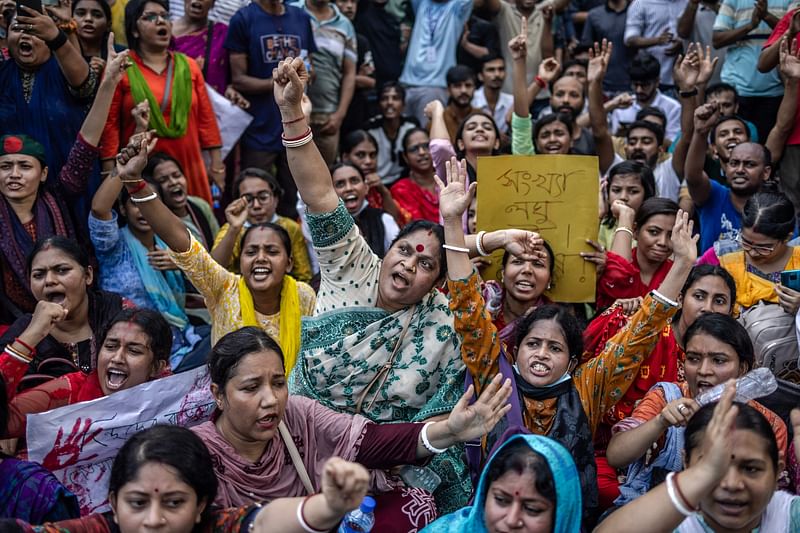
(622, 243)
(344, 485)
(687, 76)
(600, 56)
(236, 216)
(95, 120)
(654, 511)
(130, 162)
(518, 46)
(770, 56)
(697, 181)
(435, 112)
(72, 64)
(790, 71)
(308, 168)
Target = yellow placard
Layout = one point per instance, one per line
(555, 195)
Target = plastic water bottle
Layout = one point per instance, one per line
(420, 477)
(216, 195)
(359, 520)
(755, 384)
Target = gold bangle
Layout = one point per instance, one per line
(629, 231)
(219, 169)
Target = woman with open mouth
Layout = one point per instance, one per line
(377, 226)
(708, 289)
(257, 425)
(135, 262)
(61, 334)
(93, 18)
(347, 360)
(173, 85)
(263, 295)
(633, 272)
(556, 395)
(45, 94)
(202, 39)
(134, 349)
(360, 148)
(34, 203)
(521, 289)
(733, 462)
(163, 479)
(718, 349)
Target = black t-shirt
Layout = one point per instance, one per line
(382, 31)
(481, 33)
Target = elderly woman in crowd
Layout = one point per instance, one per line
(380, 343)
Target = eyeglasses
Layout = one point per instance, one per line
(418, 147)
(760, 249)
(263, 197)
(154, 17)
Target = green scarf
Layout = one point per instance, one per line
(180, 102)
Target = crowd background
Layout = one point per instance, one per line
(327, 266)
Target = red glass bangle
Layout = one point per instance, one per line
(25, 345)
(290, 139)
(540, 82)
(137, 188)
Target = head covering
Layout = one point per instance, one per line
(568, 509)
(24, 145)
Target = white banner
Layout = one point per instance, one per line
(231, 119)
(78, 442)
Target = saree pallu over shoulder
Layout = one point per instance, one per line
(343, 350)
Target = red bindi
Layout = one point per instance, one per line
(420, 248)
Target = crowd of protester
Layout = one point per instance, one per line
(327, 265)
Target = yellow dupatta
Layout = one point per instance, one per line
(289, 317)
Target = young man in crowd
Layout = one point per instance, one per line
(489, 97)
(334, 73)
(389, 128)
(644, 73)
(260, 36)
(432, 51)
(460, 90)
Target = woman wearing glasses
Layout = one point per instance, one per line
(173, 85)
(258, 194)
(761, 252)
(417, 193)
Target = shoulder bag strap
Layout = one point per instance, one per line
(296, 459)
(383, 373)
